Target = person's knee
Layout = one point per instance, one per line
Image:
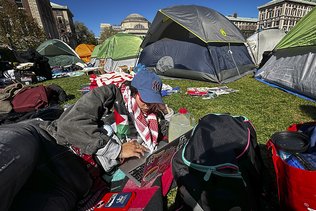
(18, 157)
(21, 147)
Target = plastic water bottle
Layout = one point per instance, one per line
(180, 123)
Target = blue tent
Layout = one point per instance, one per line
(197, 43)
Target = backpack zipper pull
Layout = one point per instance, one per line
(208, 174)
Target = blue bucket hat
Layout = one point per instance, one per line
(148, 85)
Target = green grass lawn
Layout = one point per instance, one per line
(269, 109)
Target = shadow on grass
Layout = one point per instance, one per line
(310, 110)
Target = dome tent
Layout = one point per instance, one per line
(195, 42)
(58, 53)
(84, 51)
(118, 50)
(93, 58)
(264, 41)
(95, 51)
(292, 67)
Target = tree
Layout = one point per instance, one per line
(84, 35)
(106, 33)
(17, 29)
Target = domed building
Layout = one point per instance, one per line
(135, 24)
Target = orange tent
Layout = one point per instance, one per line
(84, 51)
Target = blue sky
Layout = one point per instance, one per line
(94, 12)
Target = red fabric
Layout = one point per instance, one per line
(117, 78)
(167, 179)
(30, 99)
(143, 194)
(93, 82)
(296, 187)
(293, 127)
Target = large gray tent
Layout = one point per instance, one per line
(195, 42)
(293, 63)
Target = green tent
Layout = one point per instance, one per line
(303, 34)
(95, 51)
(120, 46)
(58, 53)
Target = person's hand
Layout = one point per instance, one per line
(132, 149)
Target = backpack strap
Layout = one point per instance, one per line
(209, 170)
(189, 199)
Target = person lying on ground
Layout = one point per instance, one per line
(131, 111)
(39, 171)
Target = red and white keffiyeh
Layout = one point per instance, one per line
(116, 78)
(146, 126)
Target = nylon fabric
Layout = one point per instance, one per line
(120, 46)
(292, 69)
(302, 34)
(58, 53)
(221, 166)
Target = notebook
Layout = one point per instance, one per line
(145, 169)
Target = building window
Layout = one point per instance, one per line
(139, 26)
(276, 23)
(269, 25)
(270, 13)
(60, 19)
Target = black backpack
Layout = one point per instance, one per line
(220, 168)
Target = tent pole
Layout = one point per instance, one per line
(258, 47)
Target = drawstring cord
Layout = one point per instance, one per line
(231, 53)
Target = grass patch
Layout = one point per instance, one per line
(269, 109)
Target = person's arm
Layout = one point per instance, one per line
(113, 154)
(81, 124)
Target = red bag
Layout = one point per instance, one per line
(296, 187)
(29, 99)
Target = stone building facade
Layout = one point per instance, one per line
(65, 24)
(247, 26)
(133, 24)
(42, 12)
(283, 14)
(105, 26)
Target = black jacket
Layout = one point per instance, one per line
(81, 124)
